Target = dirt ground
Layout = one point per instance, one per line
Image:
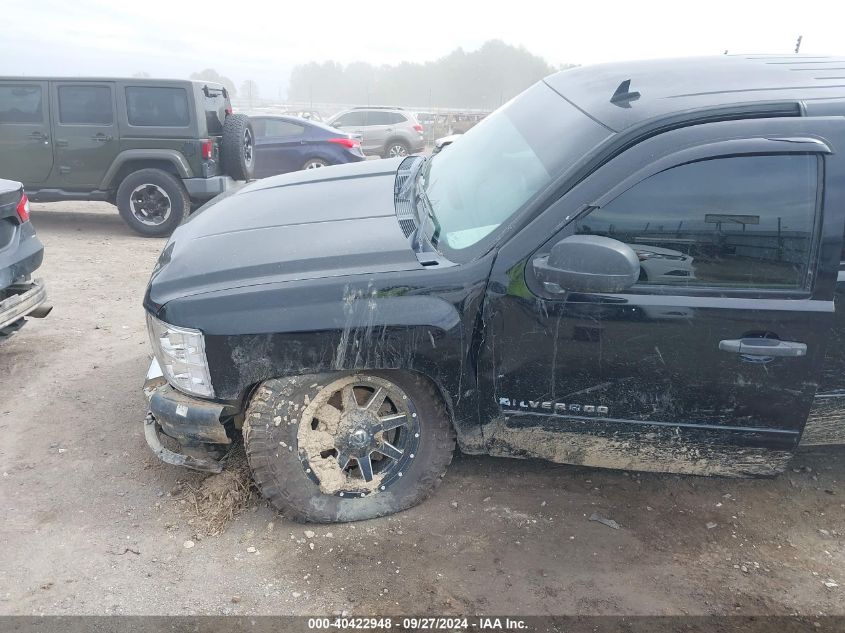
(91, 523)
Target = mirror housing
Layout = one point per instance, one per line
(589, 263)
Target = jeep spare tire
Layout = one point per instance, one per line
(238, 151)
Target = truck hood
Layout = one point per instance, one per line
(324, 222)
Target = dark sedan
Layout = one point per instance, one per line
(21, 253)
(288, 143)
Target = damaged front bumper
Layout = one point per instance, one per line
(23, 299)
(193, 423)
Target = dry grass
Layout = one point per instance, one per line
(218, 499)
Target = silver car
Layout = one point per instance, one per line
(386, 132)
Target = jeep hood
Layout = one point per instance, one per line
(324, 222)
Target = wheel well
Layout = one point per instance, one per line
(136, 165)
(397, 139)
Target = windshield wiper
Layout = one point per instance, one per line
(429, 211)
(411, 182)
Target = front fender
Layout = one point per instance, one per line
(423, 321)
(418, 333)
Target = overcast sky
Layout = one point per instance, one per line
(264, 40)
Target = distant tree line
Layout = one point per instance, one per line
(482, 79)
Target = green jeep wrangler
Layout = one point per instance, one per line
(150, 146)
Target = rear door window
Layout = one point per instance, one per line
(21, 103)
(376, 117)
(280, 129)
(150, 106)
(351, 119)
(85, 105)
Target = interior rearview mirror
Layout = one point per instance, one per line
(589, 263)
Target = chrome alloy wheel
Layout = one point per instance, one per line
(358, 436)
(150, 204)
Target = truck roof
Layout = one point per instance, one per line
(672, 86)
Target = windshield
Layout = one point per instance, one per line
(476, 184)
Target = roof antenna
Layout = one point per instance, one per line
(623, 95)
(798, 43)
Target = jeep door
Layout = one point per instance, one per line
(84, 132)
(26, 151)
(710, 367)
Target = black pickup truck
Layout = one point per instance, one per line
(632, 266)
(21, 253)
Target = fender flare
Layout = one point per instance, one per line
(175, 158)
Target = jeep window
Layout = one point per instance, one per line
(745, 221)
(157, 107)
(85, 105)
(500, 164)
(20, 104)
(216, 103)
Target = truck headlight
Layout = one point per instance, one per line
(180, 352)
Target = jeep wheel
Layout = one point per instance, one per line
(396, 148)
(152, 202)
(333, 447)
(238, 151)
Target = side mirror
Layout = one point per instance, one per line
(446, 141)
(589, 263)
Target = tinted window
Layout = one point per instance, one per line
(85, 105)
(159, 107)
(728, 222)
(375, 117)
(216, 102)
(350, 118)
(279, 128)
(20, 103)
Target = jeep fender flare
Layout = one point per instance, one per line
(171, 156)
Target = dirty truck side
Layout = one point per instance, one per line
(628, 266)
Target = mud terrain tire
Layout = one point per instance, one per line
(278, 462)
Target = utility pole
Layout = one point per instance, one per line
(798, 43)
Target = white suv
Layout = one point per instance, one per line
(386, 132)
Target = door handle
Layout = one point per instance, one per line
(61, 142)
(102, 138)
(763, 347)
(38, 136)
